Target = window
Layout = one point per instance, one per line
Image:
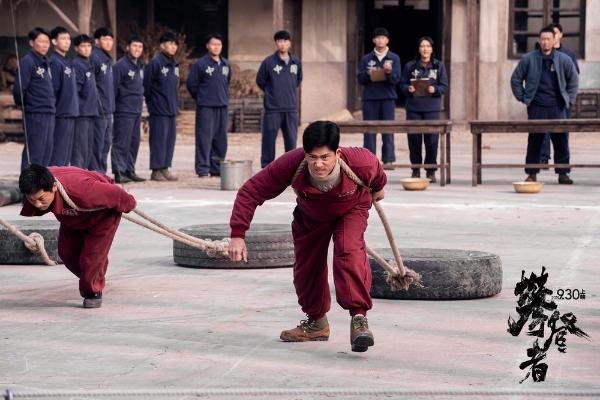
(528, 17)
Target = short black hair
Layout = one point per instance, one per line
(214, 35)
(57, 31)
(282, 35)
(35, 178)
(379, 31)
(37, 31)
(321, 133)
(83, 38)
(168, 37)
(547, 29)
(557, 26)
(428, 39)
(134, 38)
(103, 31)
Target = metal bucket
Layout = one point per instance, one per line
(235, 173)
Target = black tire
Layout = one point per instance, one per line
(446, 274)
(269, 246)
(12, 249)
(9, 193)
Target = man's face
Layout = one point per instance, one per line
(41, 199)
(135, 49)
(84, 49)
(381, 41)
(321, 161)
(283, 45)
(41, 44)
(62, 43)
(170, 48)
(105, 43)
(557, 36)
(546, 41)
(214, 47)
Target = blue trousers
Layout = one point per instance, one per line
(560, 141)
(125, 143)
(415, 140)
(162, 141)
(103, 131)
(211, 139)
(83, 142)
(545, 152)
(39, 130)
(272, 123)
(380, 110)
(64, 129)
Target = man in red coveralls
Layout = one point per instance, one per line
(328, 204)
(84, 238)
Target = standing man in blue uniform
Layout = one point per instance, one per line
(83, 143)
(279, 77)
(65, 92)
(128, 75)
(424, 106)
(546, 81)
(161, 84)
(208, 83)
(34, 92)
(558, 34)
(103, 124)
(379, 73)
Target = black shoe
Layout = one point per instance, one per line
(215, 174)
(563, 179)
(121, 178)
(92, 300)
(431, 177)
(203, 175)
(416, 173)
(134, 177)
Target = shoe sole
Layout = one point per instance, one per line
(315, 339)
(362, 344)
(92, 304)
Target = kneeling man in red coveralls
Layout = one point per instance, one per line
(329, 204)
(84, 238)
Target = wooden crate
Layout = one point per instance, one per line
(11, 119)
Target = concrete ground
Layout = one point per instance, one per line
(167, 327)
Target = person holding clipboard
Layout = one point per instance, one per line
(424, 81)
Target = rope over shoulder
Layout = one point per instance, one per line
(397, 275)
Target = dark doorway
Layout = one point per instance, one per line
(195, 18)
(407, 21)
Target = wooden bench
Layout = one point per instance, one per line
(539, 126)
(246, 114)
(11, 119)
(443, 127)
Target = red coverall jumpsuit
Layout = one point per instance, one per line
(84, 238)
(341, 213)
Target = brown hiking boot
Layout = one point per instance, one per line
(431, 176)
(157, 176)
(531, 178)
(168, 175)
(308, 330)
(360, 335)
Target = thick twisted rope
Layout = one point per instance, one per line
(397, 275)
(211, 247)
(34, 242)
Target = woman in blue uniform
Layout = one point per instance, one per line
(424, 81)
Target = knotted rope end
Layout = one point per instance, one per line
(397, 282)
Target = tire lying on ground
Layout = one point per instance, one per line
(9, 193)
(12, 249)
(446, 274)
(269, 246)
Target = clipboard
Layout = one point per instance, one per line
(377, 75)
(421, 87)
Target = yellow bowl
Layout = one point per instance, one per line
(414, 183)
(528, 187)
